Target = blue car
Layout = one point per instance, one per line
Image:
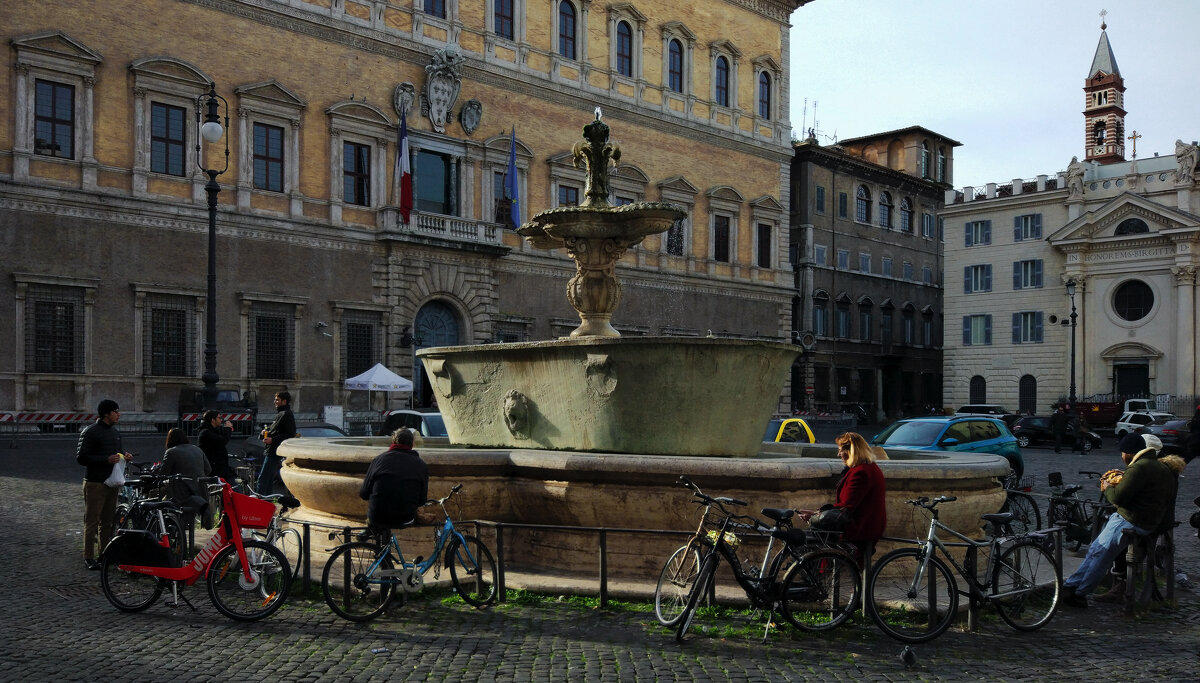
(965, 433)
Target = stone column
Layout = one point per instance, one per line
(1185, 334)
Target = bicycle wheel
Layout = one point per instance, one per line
(472, 570)
(820, 591)
(1026, 515)
(352, 590)
(291, 544)
(128, 591)
(177, 537)
(907, 603)
(258, 597)
(704, 582)
(1025, 585)
(675, 583)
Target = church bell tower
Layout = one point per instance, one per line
(1104, 102)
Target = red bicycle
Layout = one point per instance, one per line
(247, 579)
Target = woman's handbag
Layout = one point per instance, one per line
(830, 519)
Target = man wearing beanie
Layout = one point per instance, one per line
(98, 450)
(1144, 495)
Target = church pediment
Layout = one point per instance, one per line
(725, 192)
(271, 91)
(58, 44)
(1126, 217)
(767, 203)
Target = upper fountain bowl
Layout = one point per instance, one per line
(627, 224)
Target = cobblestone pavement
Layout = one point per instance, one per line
(57, 624)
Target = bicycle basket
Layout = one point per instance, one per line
(251, 512)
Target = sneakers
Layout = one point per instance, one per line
(92, 565)
(1073, 599)
(1115, 594)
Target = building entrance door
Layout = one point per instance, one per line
(1131, 380)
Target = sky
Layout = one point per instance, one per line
(1005, 79)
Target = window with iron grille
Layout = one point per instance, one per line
(360, 342)
(168, 334)
(54, 119)
(167, 138)
(54, 330)
(511, 332)
(272, 341)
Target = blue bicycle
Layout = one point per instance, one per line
(361, 577)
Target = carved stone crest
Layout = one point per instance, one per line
(471, 114)
(403, 97)
(443, 80)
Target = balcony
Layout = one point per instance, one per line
(438, 228)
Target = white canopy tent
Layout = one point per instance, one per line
(378, 378)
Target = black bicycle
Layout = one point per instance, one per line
(1027, 516)
(1080, 518)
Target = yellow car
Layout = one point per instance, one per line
(789, 430)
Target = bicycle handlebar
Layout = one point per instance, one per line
(720, 501)
(928, 504)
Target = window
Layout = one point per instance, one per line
(675, 66)
(977, 330)
(168, 336)
(272, 340)
(54, 330)
(820, 319)
(1027, 274)
(907, 324)
(862, 205)
(1102, 98)
(436, 8)
(1027, 227)
(1131, 226)
(721, 236)
(819, 256)
(978, 232)
(842, 323)
(927, 225)
(864, 262)
(764, 95)
(927, 330)
(356, 174)
(764, 245)
(886, 266)
(568, 195)
(675, 237)
(926, 275)
(906, 214)
(1101, 132)
(885, 210)
(360, 342)
(819, 204)
(1027, 395)
(624, 49)
(721, 83)
(885, 327)
(843, 259)
(924, 170)
(268, 157)
(503, 11)
(941, 164)
(566, 30)
(167, 139)
(434, 189)
(54, 120)
(1027, 327)
(1133, 300)
(907, 271)
(865, 323)
(977, 279)
(978, 390)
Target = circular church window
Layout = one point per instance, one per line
(1133, 300)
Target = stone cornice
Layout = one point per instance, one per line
(866, 170)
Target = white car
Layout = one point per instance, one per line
(1131, 422)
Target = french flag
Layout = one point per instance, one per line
(404, 170)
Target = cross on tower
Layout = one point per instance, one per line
(1134, 137)
(1103, 13)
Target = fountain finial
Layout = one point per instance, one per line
(595, 151)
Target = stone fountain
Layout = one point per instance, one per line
(594, 429)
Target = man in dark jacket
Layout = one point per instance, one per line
(213, 439)
(99, 448)
(1058, 425)
(282, 429)
(396, 484)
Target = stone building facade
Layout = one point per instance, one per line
(104, 221)
(1124, 231)
(867, 243)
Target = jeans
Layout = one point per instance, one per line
(269, 475)
(1100, 555)
(99, 510)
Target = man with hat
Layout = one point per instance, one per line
(98, 450)
(1144, 495)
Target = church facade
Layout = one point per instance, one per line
(1080, 285)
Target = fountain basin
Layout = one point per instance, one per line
(642, 395)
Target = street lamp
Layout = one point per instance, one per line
(412, 342)
(1071, 284)
(209, 129)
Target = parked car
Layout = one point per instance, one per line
(254, 446)
(969, 434)
(1174, 436)
(1033, 429)
(789, 430)
(425, 424)
(1132, 422)
(989, 410)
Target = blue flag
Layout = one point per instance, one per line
(511, 191)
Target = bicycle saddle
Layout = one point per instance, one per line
(156, 504)
(779, 514)
(998, 517)
(1071, 489)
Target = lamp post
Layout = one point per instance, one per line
(1071, 284)
(412, 342)
(209, 129)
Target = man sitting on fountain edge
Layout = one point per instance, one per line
(396, 484)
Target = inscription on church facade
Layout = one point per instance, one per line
(1130, 254)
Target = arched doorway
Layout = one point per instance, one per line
(1027, 394)
(978, 390)
(436, 324)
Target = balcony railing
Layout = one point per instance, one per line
(442, 227)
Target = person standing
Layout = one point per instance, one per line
(188, 461)
(396, 484)
(99, 448)
(1192, 445)
(281, 429)
(213, 439)
(1081, 434)
(1058, 425)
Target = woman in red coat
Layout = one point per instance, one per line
(860, 493)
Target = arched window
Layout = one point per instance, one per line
(566, 29)
(924, 159)
(941, 165)
(1132, 226)
(885, 210)
(1027, 394)
(721, 87)
(906, 215)
(624, 49)
(820, 313)
(978, 392)
(1101, 132)
(862, 205)
(764, 95)
(675, 66)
